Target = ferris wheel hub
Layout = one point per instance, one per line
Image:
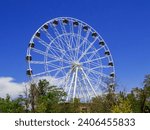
(75, 65)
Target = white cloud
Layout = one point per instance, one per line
(14, 89)
(9, 86)
(53, 81)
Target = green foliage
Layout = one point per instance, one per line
(11, 106)
(97, 105)
(102, 104)
(45, 98)
(49, 102)
(135, 104)
(71, 107)
(140, 97)
(122, 106)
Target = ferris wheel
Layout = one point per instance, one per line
(73, 56)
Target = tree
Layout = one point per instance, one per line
(123, 105)
(33, 96)
(140, 97)
(46, 98)
(75, 105)
(11, 106)
(103, 104)
(51, 101)
(97, 105)
(135, 103)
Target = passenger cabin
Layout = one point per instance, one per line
(112, 75)
(37, 34)
(65, 21)
(45, 26)
(29, 72)
(94, 35)
(107, 53)
(55, 22)
(85, 28)
(75, 23)
(110, 64)
(28, 58)
(31, 45)
(102, 43)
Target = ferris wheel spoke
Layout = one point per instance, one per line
(56, 45)
(38, 74)
(97, 72)
(78, 40)
(51, 61)
(87, 49)
(92, 64)
(54, 41)
(104, 84)
(105, 66)
(90, 61)
(59, 39)
(71, 27)
(79, 33)
(57, 73)
(58, 48)
(38, 51)
(54, 52)
(43, 42)
(82, 44)
(98, 67)
(94, 52)
(58, 34)
(63, 52)
(66, 37)
(65, 32)
(49, 55)
(82, 90)
(57, 56)
(62, 40)
(61, 70)
(86, 86)
(85, 42)
(92, 75)
(52, 65)
(62, 67)
(72, 37)
(85, 38)
(37, 62)
(70, 48)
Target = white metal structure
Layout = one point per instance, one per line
(73, 55)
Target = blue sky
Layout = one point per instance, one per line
(124, 25)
